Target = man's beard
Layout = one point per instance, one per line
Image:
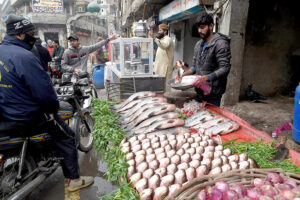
(204, 37)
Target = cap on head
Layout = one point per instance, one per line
(16, 25)
(164, 27)
(73, 36)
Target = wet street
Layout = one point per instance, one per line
(54, 189)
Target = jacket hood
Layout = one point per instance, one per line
(218, 36)
(8, 40)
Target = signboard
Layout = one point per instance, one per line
(48, 6)
(179, 9)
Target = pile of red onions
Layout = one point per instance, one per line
(273, 187)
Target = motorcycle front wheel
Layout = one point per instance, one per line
(86, 139)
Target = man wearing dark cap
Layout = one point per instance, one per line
(165, 54)
(27, 98)
(76, 57)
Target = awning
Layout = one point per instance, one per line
(178, 9)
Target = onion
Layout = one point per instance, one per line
(254, 193)
(202, 195)
(240, 190)
(257, 182)
(216, 194)
(287, 195)
(231, 195)
(291, 183)
(283, 187)
(274, 178)
(268, 190)
(265, 198)
(222, 186)
(296, 190)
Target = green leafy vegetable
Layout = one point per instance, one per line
(107, 138)
(261, 153)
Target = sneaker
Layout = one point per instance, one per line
(83, 182)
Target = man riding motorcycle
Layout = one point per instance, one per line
(27, 98)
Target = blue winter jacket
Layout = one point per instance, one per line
(26, 91)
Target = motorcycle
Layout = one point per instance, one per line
(26, 162)
(55, 73)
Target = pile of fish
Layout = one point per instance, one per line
(161, 165)
(211, 124)
(144, 113)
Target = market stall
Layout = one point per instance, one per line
(163, 148)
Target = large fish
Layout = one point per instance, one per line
(140, 111)
(152, 120)
(221, 129)
(160, 125)
(129, 106)
(200, 120)
(170, 131)
(135, 96)
(196, 115)
(154, 112)
(143, 102)
(210, 123)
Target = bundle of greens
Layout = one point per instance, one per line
(107, 139)
(261, 153)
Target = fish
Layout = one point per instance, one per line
(144, 102)
(200, 120)
(196, 115)
(135, 96)
(222, 129)
(210, 123)
(154, 112)
(150, 121)
(140, 111)
(170, 131)
(129, 106)
(160, 125)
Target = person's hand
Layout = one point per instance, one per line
(77, 70)
(99, 39)
(113, 37)
(199, 80)
(55, 58)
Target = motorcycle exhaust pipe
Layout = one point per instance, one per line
(27, 189)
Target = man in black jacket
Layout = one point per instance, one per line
(211, 60)
(57, 53)
(41, 53)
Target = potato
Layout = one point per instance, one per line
(186, 158)
(164, 162)
(233, 158)
(139, 159)
(141, 185)
(201, 170)
(194, 163)
(142, 167)
(136, 148)
(196, 157)
(140, 152)
(209, 155)
(171, 169)
(200, 149)
(243, 157)
(234, 165)
(137, 142)
(183, 166)
(148, 173)
(224, 159)
(129, 156)
(203, 143)
(173, 143)
(131, 162)
(180, 176)
(133, 139)
(226, 168)
(171, 153)
(191, 151)
(209, 148)
(219, 148)
(186, 146)
(159, 150)
(167, 180)
(190, 173)
(161, 172)
(180, 143)
(164, 143)
(125, 149)
(227, 152)
(198, 139)
(180, 152)
(216, 163)
(210, 142)
(161, 156)
(149, 151)
(168, 148)
(135, 178)
(146, 145)
(146, 194)
(126, 144)
(207, 162)
(154, 140)
(194, 145)
(176, 159)
(218, 154)
(244, 165)
(154, 164)
(160, 193)
(130, 171)
(150, 158)
(155, 145)
(190, 140)
(154, 182)
(174, 188)
(215, 171)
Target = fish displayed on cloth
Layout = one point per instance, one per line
(152, 120)
(210, 123)
(129, 106)
(154, 112)
(138, 95)
(200, 120)
(128, 113)
(195, 116)
(160, 125)
(223, 128)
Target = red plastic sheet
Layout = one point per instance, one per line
(248, 133)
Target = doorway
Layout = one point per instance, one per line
(50, 36)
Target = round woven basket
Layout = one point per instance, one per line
(192, 188)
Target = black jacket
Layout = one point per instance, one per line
(42, 54)
(215, 62)
(59, 51)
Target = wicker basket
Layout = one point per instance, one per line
(192, 188)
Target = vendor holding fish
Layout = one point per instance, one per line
(165, 54)
(211, 61)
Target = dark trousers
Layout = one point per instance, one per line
(210, 99)
(63, 138)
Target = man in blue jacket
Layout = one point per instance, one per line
(27, 97)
